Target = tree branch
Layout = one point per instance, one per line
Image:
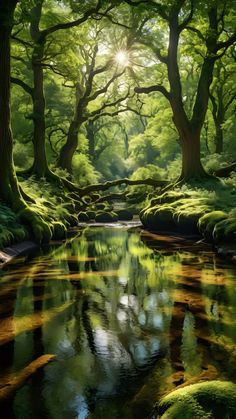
(105, 88)
(188, 19)
(226, 44)
(89, 13)
(155, 88)
(103, 186)
(157, 6)
(22, 84)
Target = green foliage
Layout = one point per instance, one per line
(83, 171)
(10, 228)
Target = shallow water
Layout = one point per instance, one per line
(129, 315)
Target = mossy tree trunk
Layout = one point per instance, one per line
(9, 189)
(40, 164)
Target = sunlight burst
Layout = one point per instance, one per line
(122, 57)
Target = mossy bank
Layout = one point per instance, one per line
(207, 210)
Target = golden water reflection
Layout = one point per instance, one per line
(128, 316)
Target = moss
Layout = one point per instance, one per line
(40, 229)
(158, 218)
(100, 206)
(207, 223)
(91, 215)
(86, 199)
(225, 230)
(83, 216)
(207, 400)
(58, 230)
(72, 220)
(106, 217)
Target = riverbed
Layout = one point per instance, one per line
(129, 315)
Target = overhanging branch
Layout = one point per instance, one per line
(155, 88)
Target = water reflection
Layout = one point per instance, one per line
(128, 315)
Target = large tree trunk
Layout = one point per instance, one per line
(191, 157)
(40, 165)
(9, 190)
(69, 148)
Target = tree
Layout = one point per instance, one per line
(222, 96)
(87, 92)
(10, 192)
(38, 42)
(180, 16)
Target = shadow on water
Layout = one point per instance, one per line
(129, 315)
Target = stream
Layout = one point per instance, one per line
(128, 314)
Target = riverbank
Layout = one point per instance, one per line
(208, 210)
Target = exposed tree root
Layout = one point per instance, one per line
(225, 171)
(111, 196)
(103, 186)
(18, 380)
(25, 196)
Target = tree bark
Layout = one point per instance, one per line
(91, 139)
(40, 164)
(9, 190)
(67, 151)
(191, 157)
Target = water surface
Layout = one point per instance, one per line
(129, 316)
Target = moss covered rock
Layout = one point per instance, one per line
(58, 230)
(225, 230)
(207, 223)
(158, 218)
(91, 214)
(106, 217)
(124, 215)
(100, 206)
(207, 400)
(83, 216)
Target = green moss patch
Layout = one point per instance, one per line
(207, 400)
(210, 213)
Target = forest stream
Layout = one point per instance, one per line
(128, 315)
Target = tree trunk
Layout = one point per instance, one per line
(68, 149)
(9, 190)
(191, 157)
(40, 165)
(219, 140)
(91, 139)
